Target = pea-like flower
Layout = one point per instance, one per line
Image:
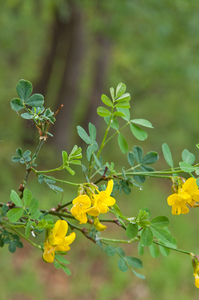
(82, 207)
(99, 226)
(57, 240)
(103, 199)
(187, 194)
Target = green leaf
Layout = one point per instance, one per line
(122, 264)
(144, 168)
(120, 251)
(115, 124)
(154, 250)
(134, 262)
(70, 170)
(122, 143)
(16, 104)
(188, 157)
(132, 230)
(34, 205)
(92, 132)
(12, 247)
(83, 135)
(186, 167)
(119, 114)
(64, 157)
(61, 259)
(16, 158)
(110, 250)
(150, 158)
(24, 89)
(28, 229)
(19, 152)
(125, 112)
(89, 152)
(167, 154)
(41, 179)
(26, 154)
(35, 100)
(27, 116)
(140, 249)
(36, 215)
(56, 264)
(55, 188)
(160, 221)
(142, 122)
(123, 105)
(106, 100)
(130, 158)
(66, 270)
(164, 251)
(97, 161)
(15, 214)
(138, 275)
(163, 236)
(138, 154)
(103, 112)
(117, 210)
(27, 196)
(75, 162)
(112, 93)
(15, 198)
(124, 98)
(120, 90)
(139, 133)
(146, 237)
(4, 209)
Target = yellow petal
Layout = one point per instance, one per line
(70, 238)
(172, 199)
(109, 201)
(109, 187)
(102, 207)
(184, 209)
(49, 252)
(64, 246)
(196, 280)
(93, 211)
(190, 186)
(176, 209)
(82, 218)
(60, 229)
(84, 200)
(98, 225)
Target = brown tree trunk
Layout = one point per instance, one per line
(59, 28)
(99, 80)
(70, 81)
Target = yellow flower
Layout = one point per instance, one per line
(98, 225)
(81, 207)
(187, 194)
(57, 240)
(103, 199)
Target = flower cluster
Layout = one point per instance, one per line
(57, 240)
(93, 205)
(187, 194)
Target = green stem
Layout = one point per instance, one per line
(120, 241)
(58, 180)
(23, 236)
(175, 249)
(118, 131)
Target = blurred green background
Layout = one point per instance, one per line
(72, 52)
